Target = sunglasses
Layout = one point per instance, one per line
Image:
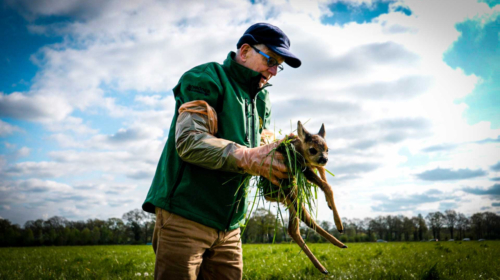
(271, 61)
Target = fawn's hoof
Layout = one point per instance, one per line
(325, 272)
(341, 231)
(344, 247)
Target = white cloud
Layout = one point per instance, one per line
(36, 108)
(7, 129)
(70, 123)
(23, 152)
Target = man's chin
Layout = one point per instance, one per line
(262, 82)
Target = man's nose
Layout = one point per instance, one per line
(273, 70)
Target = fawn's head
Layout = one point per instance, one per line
(314, 147)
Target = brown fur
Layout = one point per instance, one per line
(306, 144)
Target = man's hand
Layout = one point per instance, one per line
(263, 161)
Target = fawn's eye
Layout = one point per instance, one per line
(313, 151)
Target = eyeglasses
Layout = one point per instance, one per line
(271, 61)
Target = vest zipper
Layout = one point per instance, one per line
(252, 125)
(253, 96)
(246, 122)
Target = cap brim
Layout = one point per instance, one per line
(290, 58)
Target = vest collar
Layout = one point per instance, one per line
(243, 75)
(238, 72)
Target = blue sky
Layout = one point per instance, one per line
(344, 12)
(475, 52)
(16, 69)
(407, 90)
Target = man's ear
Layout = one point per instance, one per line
(304, 135)
(322, 132)
(243, 53)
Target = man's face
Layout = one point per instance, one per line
(258, 63)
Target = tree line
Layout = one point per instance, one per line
(136, 227)
(264, 228)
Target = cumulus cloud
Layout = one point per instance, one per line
(390, 130)
(72, 124)
(7, 129)
(495, 167)
(363, 139)
(439, 148)
(489, 140)
(353, 168)
(403, 88)
(441, 174)
(141, 174)
(443, 206)
(443, 147)
(398, 202)
(358, 62)
(22, 152)
(35, 108)
(324, 109)
(42, 169)
(493, 190)
(34, 186)
(119, 202)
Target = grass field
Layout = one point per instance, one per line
(417, 260)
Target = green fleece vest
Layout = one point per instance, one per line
(212, 197)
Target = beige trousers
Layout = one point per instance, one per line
(188, 250)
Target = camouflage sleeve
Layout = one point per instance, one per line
(195, 141)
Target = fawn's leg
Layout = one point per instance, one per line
(294, 232)
(325, 187)
(306, 218)
(338, 221)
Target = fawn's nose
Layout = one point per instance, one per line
(322, 160)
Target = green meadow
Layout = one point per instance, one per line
(398, 260)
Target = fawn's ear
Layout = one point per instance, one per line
(304, 135)
(322, 132)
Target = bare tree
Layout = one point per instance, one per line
(407, 228)
(491, 223)
(436, 222)
(461, 225)
(415, 224)
(135, 220)
(477, 224)
(117, 228)
(422, 227)
(451, 220)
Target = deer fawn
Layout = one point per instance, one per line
(315, 152)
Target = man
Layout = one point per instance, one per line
(213, 145)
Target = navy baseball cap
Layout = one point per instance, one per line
(271, 36)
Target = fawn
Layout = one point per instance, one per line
(314, 150)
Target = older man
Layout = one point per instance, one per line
(213, 144)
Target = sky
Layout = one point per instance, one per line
(408, 91)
